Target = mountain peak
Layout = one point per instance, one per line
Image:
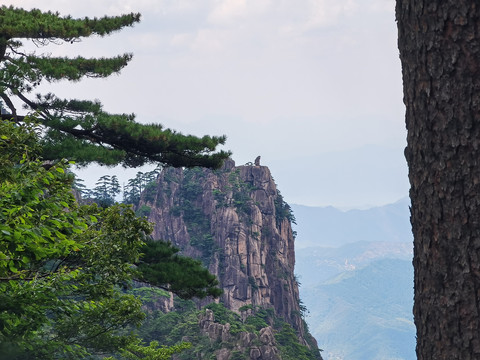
(236, 221)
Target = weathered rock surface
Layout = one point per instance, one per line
(236, 221)
(261, 347)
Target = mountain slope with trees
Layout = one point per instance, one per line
(64, 268)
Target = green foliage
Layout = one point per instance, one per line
(138, 351)
(61, 264)
(150, 191)
(262, 317)
(64, 267)
(312, 343)
(133, 190)
(172, 328)
(105, 190)
(33, 226)
(252, 283)
(290, 348)
(259, 319)
(161, 266)
(81, 188)
(81, 130)
(238, 355)
(16, 144)
(198, 225)
(222, 314)
(219, 196)
(48, 26)
(184, 305)
(143, 182)
(149, 294)
(257, 322)
(246, 307)
(175, 327)
(143, 211)
(241, 192)
(303, 309)
(283, 210)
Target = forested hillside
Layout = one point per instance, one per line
(362, 288)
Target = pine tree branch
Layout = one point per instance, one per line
(9, 103)
(80, 130)
(18, 118)
(49, 26)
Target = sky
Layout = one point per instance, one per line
(313, 86)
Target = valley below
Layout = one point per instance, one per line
(359, 293)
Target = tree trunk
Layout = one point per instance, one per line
(439, 44)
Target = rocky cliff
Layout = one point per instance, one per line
(236, 221)
(260, 346)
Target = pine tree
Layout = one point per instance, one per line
(113, 187)
(439, 49)
(81, 188)
(133, 190)
(64, 268)
(81, 130)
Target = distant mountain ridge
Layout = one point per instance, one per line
(331, 227)
(356, 275)
(314, 265)
(366, 313)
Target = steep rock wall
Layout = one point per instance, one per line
(236, 221)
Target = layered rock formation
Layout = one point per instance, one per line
(261, 346)
(236, 221)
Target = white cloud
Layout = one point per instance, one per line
(210, 40)
(146, 41)
(182, 40)
(228, 11)
(329, 12)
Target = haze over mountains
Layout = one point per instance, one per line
(356, 275)
(331, 227)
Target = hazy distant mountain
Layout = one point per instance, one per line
(328, 226)
(315, 265)
(356, 275)
(365, 314)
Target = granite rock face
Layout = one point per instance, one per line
(261, 347)
(234, 220)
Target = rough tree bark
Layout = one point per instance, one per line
(439, 43)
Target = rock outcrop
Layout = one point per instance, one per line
(236, 221)
(261, 346)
